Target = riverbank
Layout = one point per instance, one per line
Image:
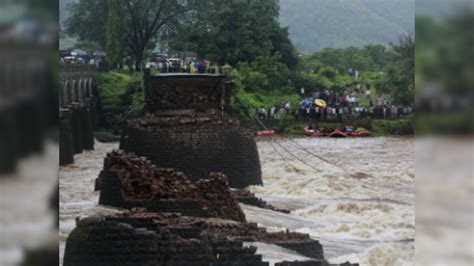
(121, 95)
(378, 128)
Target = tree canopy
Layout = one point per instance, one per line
(243, 34)
(372, 57)
(401, 71)
(143, 21)
(233, 31)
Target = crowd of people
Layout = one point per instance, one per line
(186, 65)
(335, 107)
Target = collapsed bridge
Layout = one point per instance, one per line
(175, 208)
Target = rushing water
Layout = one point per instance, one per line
(354, 195)
(26, 218)
(357, 196)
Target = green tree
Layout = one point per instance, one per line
(328, 72)
(235, 31)
(377, 55)
(245, 34)
(455, 52)
(401, 72)
(143, 21)
(87, 21)
(114, 41)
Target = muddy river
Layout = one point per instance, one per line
(357, 196)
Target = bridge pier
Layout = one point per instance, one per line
(66, 142)
(86, 127)
(76, 128)
(8, 139)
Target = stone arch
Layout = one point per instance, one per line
(90, 88)
(67, 95)
(82, 86)
(85, 88)
(73, 89)
(80, 92)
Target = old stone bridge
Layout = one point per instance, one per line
(78, 97)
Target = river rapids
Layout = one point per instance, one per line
(356, 196)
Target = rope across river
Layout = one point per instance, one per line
(292, 141)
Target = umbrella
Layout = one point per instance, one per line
(308, 101)
(320, 103)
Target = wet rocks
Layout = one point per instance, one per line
(246, 197)
(249, 232)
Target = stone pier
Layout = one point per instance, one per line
(187, 127)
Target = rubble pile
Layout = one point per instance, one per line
(99, 241)
(236, 231)
(152, 122)
(217, 199)
(140, 181)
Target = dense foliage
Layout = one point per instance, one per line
(121, 98)
(115, 36)
(246, 37)
(444, 51)
(444, 68)
(243, 34)
(388, 71)
(400, 83)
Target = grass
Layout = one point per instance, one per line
(267, 99)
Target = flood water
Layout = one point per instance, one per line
(357, 196)
(27, 221)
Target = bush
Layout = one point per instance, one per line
(120, 92)
(401, 127)
(328, 72)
